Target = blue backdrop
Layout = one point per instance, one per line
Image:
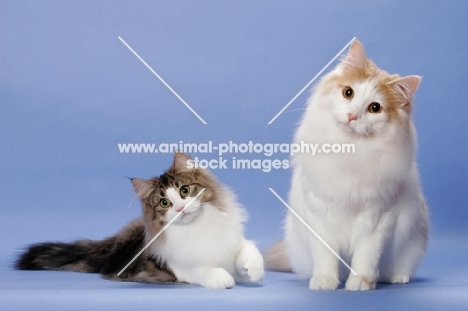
(70, 91)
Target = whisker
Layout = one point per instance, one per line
(131, 202)
(293, 110)
(149, 223)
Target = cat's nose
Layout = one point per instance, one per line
(179, 209)
(351, 117)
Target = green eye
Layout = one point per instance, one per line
(165, 203)
(184, 191)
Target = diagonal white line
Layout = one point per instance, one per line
(162, 80)
(160, 232)
(312, 230)
(311, 81)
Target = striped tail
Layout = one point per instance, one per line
(108, 257)
(79, 256)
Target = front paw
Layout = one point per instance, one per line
(359, 282)
(323, 282)
(219, 279)
(252, 270)
(249, 264)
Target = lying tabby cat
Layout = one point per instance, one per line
(204, 245)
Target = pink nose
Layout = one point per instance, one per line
(180, 208)
(351, 117)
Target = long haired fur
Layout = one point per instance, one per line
(205, 245)
(368, 205)
(107, 257)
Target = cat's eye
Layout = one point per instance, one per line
(165, 203)
(184, 191)
(374, 108)
(348, 92)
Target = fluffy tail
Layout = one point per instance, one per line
(276, 259)
(104, 256)
(79, 256)
(108, 257)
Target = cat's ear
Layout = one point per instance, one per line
(407, 85)
(142, 187)
(356, 56)
(182, 162)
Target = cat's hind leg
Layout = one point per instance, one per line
(144, 269)
(408, 245)
(399, 260)
(297, 247)
(398, 266)
(296, 235)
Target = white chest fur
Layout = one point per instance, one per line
(213, 239)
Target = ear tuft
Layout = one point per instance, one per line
(142, 187)
(356, 56)
(182, 162)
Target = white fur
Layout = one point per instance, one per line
(368, 206)
(206, 245)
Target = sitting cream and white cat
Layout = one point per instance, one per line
(368, 205)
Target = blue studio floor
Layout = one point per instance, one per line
(440, 284)
(71, 92)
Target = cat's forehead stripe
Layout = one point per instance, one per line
(165, 179)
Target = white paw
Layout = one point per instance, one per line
(252, 270)
(324, 282)
(219, 279)
(399, 279)
(250, 264)
(359, 282)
